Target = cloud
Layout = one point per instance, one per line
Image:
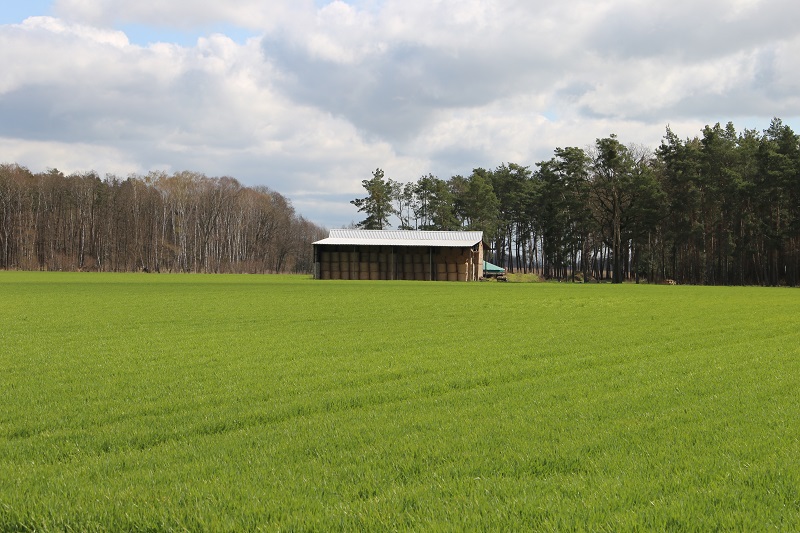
(325, 92)
(253, 14)
(392, 79)
(397, 70)
(212, 108)
(69, 156)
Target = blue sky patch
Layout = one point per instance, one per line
(143, 35)
(15, 11)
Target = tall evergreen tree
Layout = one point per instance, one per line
(378, 203)
(480, 203)
(612, 171)
(517, 195)
(435, 205)
(779, 165)
(563, 213)
(626, 198)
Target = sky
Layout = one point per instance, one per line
(309, 97)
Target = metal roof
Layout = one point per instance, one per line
(452, 239)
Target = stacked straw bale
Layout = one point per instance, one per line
(381, 263)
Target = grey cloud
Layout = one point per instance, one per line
(89, 111)
(574, 90)
(457, 160)
(395, 94)
(433, 96)
(692, 31)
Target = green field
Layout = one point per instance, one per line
(171, 402)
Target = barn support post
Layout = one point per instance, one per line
(471, 269)
(317, 274)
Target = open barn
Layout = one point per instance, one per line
(400, 255)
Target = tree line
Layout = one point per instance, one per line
(184, 222)
(722, 208)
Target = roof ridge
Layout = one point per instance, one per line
(404, 237)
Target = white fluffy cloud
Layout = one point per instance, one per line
(329, 91)
(253, 14)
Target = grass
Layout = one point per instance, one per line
(519, 277)
(173, 402)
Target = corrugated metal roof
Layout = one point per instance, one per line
(452, 239)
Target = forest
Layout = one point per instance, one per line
(184, 222)
(722, 208)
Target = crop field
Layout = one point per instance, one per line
(191, 402)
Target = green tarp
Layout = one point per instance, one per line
(489, 268)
